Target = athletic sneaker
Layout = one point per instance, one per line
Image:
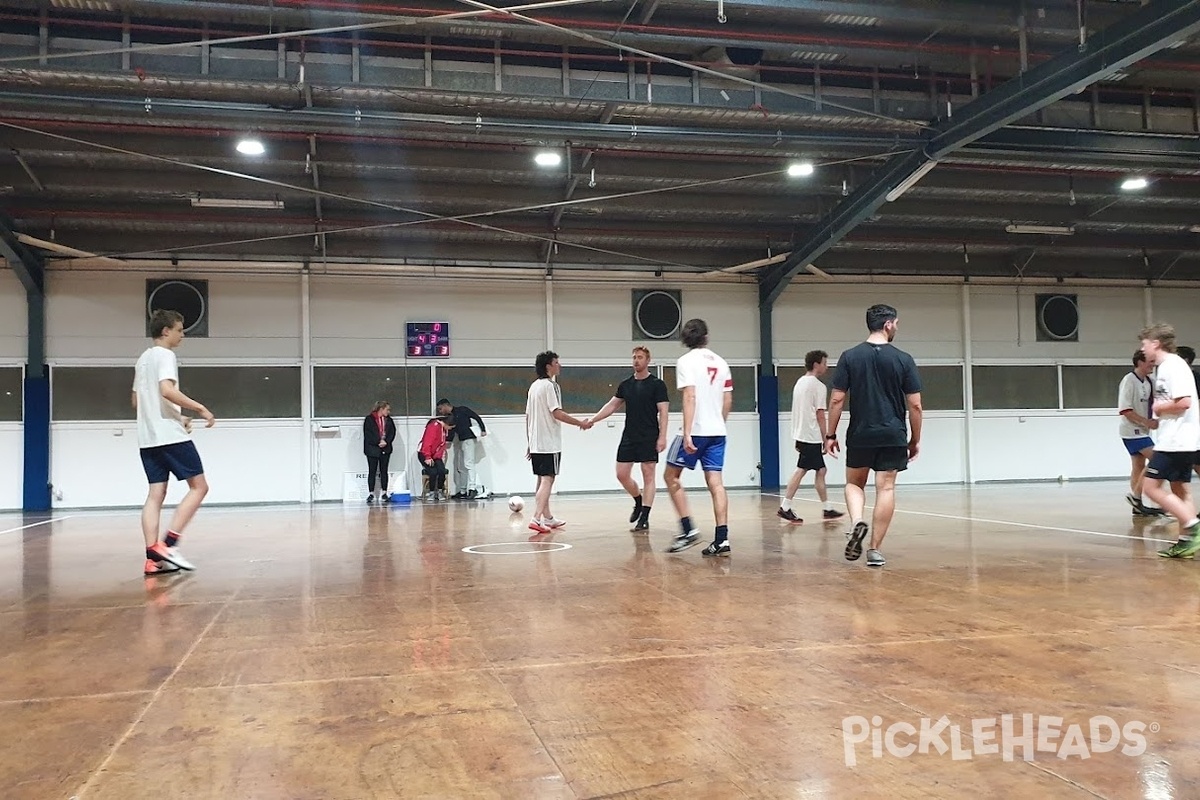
(789, 515)
(158, 568)
(1177, 550)
(637, 512)
(854, 547)
(684, 540)
(1191, 545)
(538, 526)
(831, 513)
(554, 523)
(717, 549)
(875, 558)
(177, 558)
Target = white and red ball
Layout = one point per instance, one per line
(515, 503)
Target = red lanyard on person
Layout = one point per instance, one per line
(382, 428)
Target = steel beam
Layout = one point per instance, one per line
(31, 271)
(1142, 33)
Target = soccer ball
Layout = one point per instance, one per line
(515, 503)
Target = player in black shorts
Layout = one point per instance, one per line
(644, 397)
(882, 383)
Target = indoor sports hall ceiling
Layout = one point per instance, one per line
(405, 133)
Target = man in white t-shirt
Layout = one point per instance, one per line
(1178, 414)
(706, 390)
(808, 432)
(543, 433)
(1133, 404)
(165, 439)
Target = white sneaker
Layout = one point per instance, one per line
(177, 558)
(554, 523)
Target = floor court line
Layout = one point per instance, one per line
(35, 524)
(1001, 522)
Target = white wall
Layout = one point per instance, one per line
(98, 319)
(13, 316)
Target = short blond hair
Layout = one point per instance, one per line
(643, 349)
(1162, 333)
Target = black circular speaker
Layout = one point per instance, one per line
(178, 296)
(1059, 317)
(658, 315)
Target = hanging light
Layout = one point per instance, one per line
(800, 169)
(251, 146)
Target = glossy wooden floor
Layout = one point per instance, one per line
(360, 653)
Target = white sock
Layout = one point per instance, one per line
(1147, 502)
(1190, 524)
(828, 506)
(786, 505)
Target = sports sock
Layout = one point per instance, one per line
(686, 524)
(786, 504)
(172, 538)
(722, 533)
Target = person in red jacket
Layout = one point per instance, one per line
(432, 455)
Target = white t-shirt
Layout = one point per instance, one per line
(1172, 380)
(708, 372)
(1134, 395)
(543, 430)
(808, 396)
(159, 421)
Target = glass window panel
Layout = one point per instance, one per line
(1015, 387)
(586, 389)
(1092, 386)
(745, 389)
(244, 392)
(92, 393)
(11, 393)
(941, 387)
(487, 390)
(353, 391)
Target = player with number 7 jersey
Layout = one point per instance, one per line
(711, 377)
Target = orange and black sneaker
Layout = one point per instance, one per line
(158, 567)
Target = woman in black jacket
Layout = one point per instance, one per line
(379, 431)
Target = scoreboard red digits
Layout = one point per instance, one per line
(428, 339)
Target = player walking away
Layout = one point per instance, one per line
(881, 381)
(1178, 416)
(809, 431)
(706, 385)
(1133, 404)
(543, 431)
(644, 398)
(165, 440)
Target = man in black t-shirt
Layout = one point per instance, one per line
(882, 383)
(644, 397)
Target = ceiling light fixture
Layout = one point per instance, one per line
(800, 169)
(911, 180)
(250, 146)
(235, 202)
(1195, 229)
(1049, 230)
(547, 158)
(1134, 184)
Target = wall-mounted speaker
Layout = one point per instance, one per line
(1057, 317)
(657, 313)
(188, 297)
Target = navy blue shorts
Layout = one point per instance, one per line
(180, 459)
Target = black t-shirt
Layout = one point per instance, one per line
(877, 377)
(641, 407)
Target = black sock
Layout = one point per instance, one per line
(644, 512)
(152, 554)
(686, 524)
(171, 539)
(637, 501)
(722, 533)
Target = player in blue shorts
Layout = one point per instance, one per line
(706, 388)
